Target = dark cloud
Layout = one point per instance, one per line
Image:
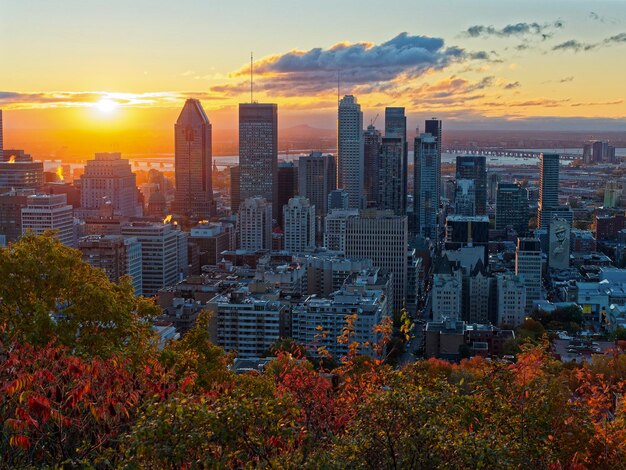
(566, 79)
(594, 16)
(544, 30)
(512, 85)
(316, 70)
(577, 46)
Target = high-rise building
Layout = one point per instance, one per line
(299, 225)
(1, 139)
(247, 324)
(433, 127)
(511, 293)
(117, 255)
(337, 199)
(559, 243)
(163, 254)
(335, 228)
(371, 154)
(350, 160)
(395, 127)
(108, 179)
(474, 167)
(601, 152)
(465, 197)
(317, 177)
(548, 185)
(382, 237)
(391, 195)
(512, 207)
(255, 224)
(447, 291)
(49, 212)
(427, 185)
(193, 162)
(11, 205)
(258, 152)
(528, 267)
(463, 230)
(287, 187)
(19, 171)
(235, 195)
(212, 239)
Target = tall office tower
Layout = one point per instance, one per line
(108, 179)
(559, 243)
(600, 151)
(235, 195)
(474, 167)
(19, 171)
(299, 226)
(371, 154)
(395, 127)
(163, 254)
(287, 187)
(433, 127)
(49, 212)
(512, 207)
(528, 267)
(492, 187)
(587, 154)
(317, 177)
(391, 195)
(465, 197)
(427, 185)
(258, 152)
(193, 162)
(511, 294)
(117, 255)
(212, 239)
(1, 139)
(255, 224)
(350, 162)
(462, 230)
(548, 185)
(337, 199)
(11, 205)
(335, 228)
(382, 237)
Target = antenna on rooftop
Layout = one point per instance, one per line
(251, 78)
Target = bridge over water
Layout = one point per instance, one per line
(502, 152)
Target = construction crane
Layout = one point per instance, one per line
(374, 120)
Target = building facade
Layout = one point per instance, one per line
(45, 212)
(299, 225)
(350, 149)
(255, 224)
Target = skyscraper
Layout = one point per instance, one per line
(193, 162)
(317, 177)
(109, 179)
(49, 212)
(255, 224)
(350, 160)
(395, 127)
(163, 254)
(512, 207)
(235, 197)
(299, 225)
(474, 167)
(528, 267)
(548, 185)
(371, 155)
(433, 127)
(391, 195)
(427, 191)
(287, 187)
(19, 171)
(258, 152)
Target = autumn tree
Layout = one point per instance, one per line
(48, 292)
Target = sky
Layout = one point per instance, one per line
(80, 75)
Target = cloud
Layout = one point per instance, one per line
(566, 79)
(545, 30)
(71, 99)
(316, 70)
(577, 46)
(512, 85)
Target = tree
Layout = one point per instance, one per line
(49, 292)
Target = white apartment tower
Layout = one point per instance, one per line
(49, 212)
(528, 267)
(299, 225)
(255, 224)
(350, 158)
(511, 300)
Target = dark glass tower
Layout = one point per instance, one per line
(474, 167)
(193, 162)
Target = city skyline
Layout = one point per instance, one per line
(474, 66)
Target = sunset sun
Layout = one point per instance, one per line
(106, 105)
